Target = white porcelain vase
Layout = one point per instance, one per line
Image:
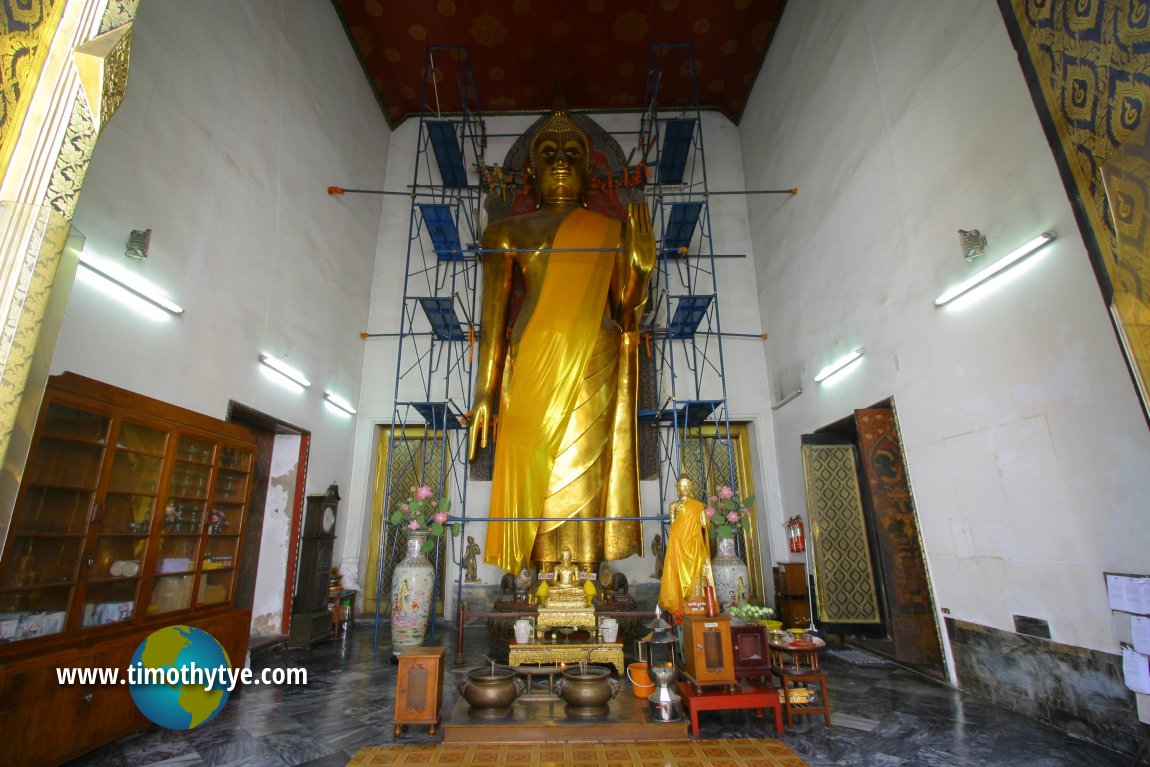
(412, 583)
(523, 631)
(732, 578)
(609, 628)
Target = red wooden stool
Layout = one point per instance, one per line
(749, 695)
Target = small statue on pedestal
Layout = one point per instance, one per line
(470, 557)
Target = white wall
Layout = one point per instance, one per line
(237, 118)
(901, 122)
(745, 360)
(275, 540)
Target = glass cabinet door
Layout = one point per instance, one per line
(121, 543)
(183, 525)
(225, 523)
(41, 567)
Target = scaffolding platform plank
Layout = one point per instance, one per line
(437, 415)
(689, 312)
(682, 413)
(677, 135)
(440, 311)
(448, 154)
(443, 231)
(680, 228)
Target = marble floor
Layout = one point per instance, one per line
(882, 717)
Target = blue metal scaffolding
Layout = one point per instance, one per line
(427, 438)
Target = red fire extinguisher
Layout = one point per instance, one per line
(796, 535)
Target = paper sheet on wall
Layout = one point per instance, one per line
(1136, 670)
(1140, 633)
(1129, 593)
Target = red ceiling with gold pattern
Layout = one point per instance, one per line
(597, 51)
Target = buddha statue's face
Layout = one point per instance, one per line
(685, 487)
(560, 162)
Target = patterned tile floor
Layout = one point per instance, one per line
(883, 717)
(700, 753)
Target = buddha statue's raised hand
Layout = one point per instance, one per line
(636, 259)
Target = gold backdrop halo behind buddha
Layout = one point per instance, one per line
(604, 157)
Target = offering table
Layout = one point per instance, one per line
(555, 653)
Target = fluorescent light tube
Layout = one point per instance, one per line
(285, 370)
(141, 290)
(838, 365)
(997, 267)
(339, 402)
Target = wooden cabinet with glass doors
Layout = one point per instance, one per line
(129, 517)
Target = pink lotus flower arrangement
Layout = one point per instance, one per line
(726, 511)
(423, 512)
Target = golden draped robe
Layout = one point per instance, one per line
(567, 439)
(686, 556)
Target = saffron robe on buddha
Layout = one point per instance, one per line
(567, 440)
(686, 556)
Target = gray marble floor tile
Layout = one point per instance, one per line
(882, 717)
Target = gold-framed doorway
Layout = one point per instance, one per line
(418, 456)
(704, 457)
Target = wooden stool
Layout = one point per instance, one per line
(748, 695)
(793, 679)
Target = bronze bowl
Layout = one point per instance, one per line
(491, 691)
(587, 691)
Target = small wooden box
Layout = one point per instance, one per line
(707, 655)
(419, 687)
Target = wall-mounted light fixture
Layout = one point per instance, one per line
(285, 370)
(972, 242)
(136, 287)
(842, 363)
(339, 402)
(137, 246)
(996, 268)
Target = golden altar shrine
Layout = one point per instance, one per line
(554, 652)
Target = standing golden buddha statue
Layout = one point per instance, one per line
(567, 377)
(687, 566)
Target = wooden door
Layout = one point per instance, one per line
(910, 605)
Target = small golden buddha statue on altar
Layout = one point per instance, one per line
(565, 591)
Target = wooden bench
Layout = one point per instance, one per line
(749, 695)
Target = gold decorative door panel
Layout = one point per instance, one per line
(707, 456)
(844, 576)
(416, 456)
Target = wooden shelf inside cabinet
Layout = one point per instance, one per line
(130, 517)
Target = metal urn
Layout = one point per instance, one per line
(660, 644)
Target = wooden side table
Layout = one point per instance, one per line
(419, 687)
(342, 606)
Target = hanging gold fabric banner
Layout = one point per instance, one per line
(844, 578)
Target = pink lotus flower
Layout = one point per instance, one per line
(710, 511)
(413, 524)
(423, 493)
(441, 517)
(726, 493)
(403, 507)
(733, 517)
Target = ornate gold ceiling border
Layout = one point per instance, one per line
(82, 83)
(26, 36)
(1087, 64)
